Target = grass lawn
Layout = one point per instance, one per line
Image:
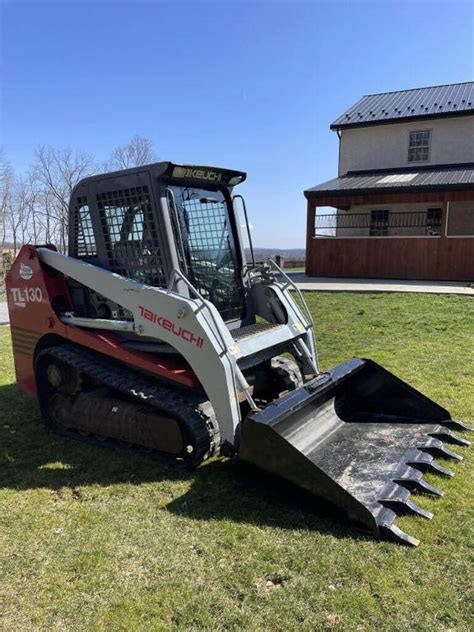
(98, 539)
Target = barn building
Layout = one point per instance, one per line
(402, 206)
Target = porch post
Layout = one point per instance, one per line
(310, 242)
(444, 217)
(441, 260)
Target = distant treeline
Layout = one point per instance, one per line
(289, 254)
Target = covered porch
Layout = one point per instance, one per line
(390, 232)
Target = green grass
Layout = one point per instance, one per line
(94, 539)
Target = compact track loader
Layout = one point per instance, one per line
(155, 334)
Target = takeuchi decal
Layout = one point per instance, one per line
(197, 173)
(169, 325)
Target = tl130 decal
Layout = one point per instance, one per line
(23, 296)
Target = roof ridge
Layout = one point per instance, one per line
(441, 85)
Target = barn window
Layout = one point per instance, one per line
(433, 221)
(419, 146)
(379, 223)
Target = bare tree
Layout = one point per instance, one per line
(6, 177)
(26, 225)
(139, 151)
(56, 172)
(14, 219)
(34, 231)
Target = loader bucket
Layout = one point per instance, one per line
(357, 438)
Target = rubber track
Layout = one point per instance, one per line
(194, 413)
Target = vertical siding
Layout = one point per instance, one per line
(393, 258)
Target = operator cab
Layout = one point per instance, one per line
(145, 222)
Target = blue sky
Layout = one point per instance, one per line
(249, 85)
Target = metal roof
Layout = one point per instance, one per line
(440, 178)
(455, 99)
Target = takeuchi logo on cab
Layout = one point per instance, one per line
(197, 174)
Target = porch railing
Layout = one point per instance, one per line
(378, 224)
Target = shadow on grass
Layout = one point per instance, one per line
(31, 457)
(215, 495)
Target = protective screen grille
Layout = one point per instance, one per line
(210, 252)
(84, 242)
(131, 235)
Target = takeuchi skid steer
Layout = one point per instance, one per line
(156, 335)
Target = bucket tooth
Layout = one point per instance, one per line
(455, 424)
(433, 467)
(418, 484)
(449, 436)
(392, 532)
(428, 488)
(425, 463)
(404, 506)
(438, 449)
